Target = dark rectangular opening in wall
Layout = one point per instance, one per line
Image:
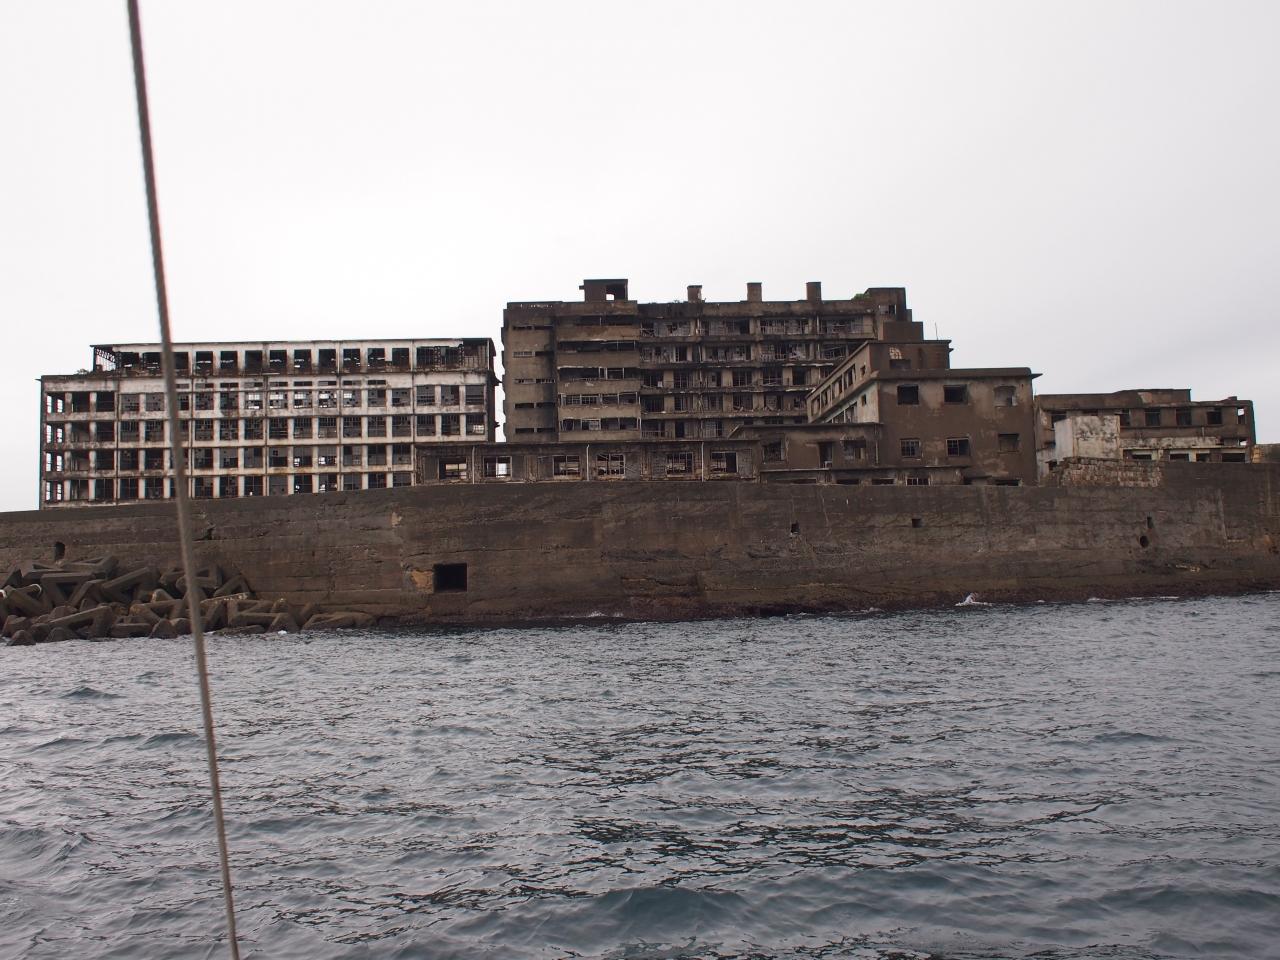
(449, 577)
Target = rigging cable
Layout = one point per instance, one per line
(194, 592)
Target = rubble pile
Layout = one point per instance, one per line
(95, 600)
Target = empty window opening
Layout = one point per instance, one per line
(59, 550)
(723, 462)
(679, 464)
(1006, 396)
(1009, 442)
(566, 466)
(908, 395)
(955, 393)
(449, 577)
(795, 529)
(917, 522)
(611, 464)
(455, 469)
(497, 468)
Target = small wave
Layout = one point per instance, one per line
(971, 600)
(175, 736)
(89, 693)
(60, 742)
(1129, 736)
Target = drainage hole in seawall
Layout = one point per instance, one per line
(1143, 541)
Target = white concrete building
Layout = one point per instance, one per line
(260, 419)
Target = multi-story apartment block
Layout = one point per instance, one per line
(1143, 425)
(260, 418)
(900, 413)
(609, 368)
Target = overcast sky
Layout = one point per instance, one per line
(1086, 188)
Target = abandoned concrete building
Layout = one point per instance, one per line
(917, 420)
(1142, 425)
(866, 398)
(260, 418)
(609, 368)
(804, 391)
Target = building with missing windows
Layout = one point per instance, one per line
(1142, 425)
(260, 419)
(609, 368)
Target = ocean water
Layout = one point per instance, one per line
(1054, 781)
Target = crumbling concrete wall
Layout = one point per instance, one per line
(659, 550)
(1085, 436)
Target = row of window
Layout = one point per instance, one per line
(911, 447)
(1227, 456)
(233, 458)
(275, 428)
(306, 360)
(157, 488)
(231, 397)
(605, 466)
(1166, 416)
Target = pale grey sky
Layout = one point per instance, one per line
(1088, 188)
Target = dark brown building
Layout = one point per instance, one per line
(909, 417)
(609, 368)
(1159, 424)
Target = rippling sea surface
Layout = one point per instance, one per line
(1056, 781)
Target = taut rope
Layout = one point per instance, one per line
(194, 593)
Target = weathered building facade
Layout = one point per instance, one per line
(1142, 425)
(897, 412)
(610, 368)
(260, 418)
(580, 460)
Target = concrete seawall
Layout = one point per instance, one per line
(669, 549)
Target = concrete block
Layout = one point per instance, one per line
(123, 631)
(285, 622)
(245, 619)
(235, 585)
(104, 619)
(60, 635)
(28, 600)
(144, 614)
(13, 623)
(90, 590)
(125, 587)
(164, 630)
(22, 638)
